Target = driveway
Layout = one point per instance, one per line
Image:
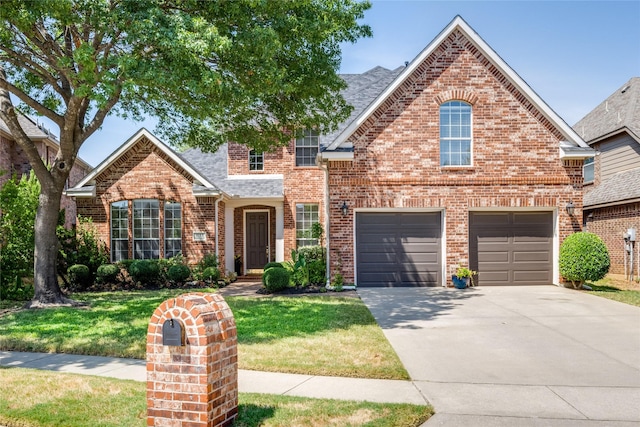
(529, 356)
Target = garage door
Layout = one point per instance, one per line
(398, 249)
(511, 248)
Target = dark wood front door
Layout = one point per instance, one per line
(257, 239)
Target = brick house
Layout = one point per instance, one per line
(612, 177)
(450, 160)
(13, 160)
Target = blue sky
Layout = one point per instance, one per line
(574, 54)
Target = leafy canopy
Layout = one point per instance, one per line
(243, 70)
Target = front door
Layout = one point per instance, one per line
(257, 240)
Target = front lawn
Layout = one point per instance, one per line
(31, 398)
(617, 288)
(313, 335)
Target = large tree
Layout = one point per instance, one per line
(250, 71)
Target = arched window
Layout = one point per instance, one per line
(455, 134)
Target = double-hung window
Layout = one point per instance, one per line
(588, 170)
(172, 229)
(256, 160)
(119, 231)
(146, 229)
(307, 148)
(455, 134)
(306, 216)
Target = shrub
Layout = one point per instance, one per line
(178, 273)
(208, 260)
(313, 253)
(107, 273)
(272, 265)
(317, 272)
(144, 271)
(16, 291)
(79, 276)
(583, 256)
(211, 274)
(275, 279)
(80, 245)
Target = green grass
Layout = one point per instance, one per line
(631, 297)
(31, 398)
(312, 335)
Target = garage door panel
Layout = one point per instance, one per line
(493, 257)
(398, 249)
(511, 247)
(528, 257)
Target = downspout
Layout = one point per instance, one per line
(325, 167)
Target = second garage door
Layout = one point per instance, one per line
(512, 248)
(398, 249)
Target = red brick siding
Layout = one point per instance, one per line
(609, 224)
(144, 172)
(13, 160)
(301, 185)
(396, 165)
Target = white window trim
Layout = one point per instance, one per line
(471, 157)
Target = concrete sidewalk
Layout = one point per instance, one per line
(383, 391)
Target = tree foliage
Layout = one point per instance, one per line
(214, 71)
(18, 203)
(583, 256)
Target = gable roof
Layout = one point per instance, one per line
(620, 188)
(619, 112)
(458, 24)
(86, 187)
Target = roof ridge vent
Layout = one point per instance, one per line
(626, 88)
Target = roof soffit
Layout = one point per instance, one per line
(458, 24)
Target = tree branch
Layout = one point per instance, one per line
(52, 115)
(100, 115)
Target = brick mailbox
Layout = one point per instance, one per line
(192, 363)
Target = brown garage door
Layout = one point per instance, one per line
(398, 249)
(511, 248)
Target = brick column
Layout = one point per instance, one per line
(195, 384)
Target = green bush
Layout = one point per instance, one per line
(211, 274)
(16, 291)
(107, 273)
(145, 271)
(80, 245)
(208, 260)
(275, 279)
(313, 253)
(273, 265)
(317, 272)
(79, 276)
(178, 273)
(583, 256)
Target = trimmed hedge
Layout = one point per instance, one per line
(275, 279)
(272, 265)
(79, 276)
(583, 256)
(178, 273)
(211, 274)
(107, 273)
(144, 271)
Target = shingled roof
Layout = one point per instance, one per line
(30, 127)
(361, 90)
(620, 110)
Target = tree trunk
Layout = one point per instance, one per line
(45, 277)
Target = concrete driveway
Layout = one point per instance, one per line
(516, 356)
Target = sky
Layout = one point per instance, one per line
(573, 54)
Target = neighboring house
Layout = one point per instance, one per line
(612, 178)
(13, 160)
(451, 160)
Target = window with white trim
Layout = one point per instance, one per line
(588, 170)
(172, 229)
(455, 134)
(119, 230)
(256, 160)
(306, 216)
(146, 229)
(307, 148)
